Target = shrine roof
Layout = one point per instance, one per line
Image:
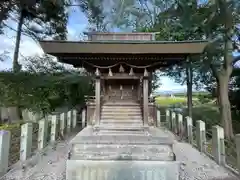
(57, 48)
(89, 54)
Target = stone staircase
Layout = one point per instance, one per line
(121, 148)
(121, 115)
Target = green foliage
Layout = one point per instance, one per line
(41, 92)
(170, 101)
(95, 13)
(194, 94)
(204, 99)
(44, 86)
(41, 18)
(9, 127)
(208, 113)
(155, 83)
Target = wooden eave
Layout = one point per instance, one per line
(123, 47)
(107, 53)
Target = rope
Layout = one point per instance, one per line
(130, 65)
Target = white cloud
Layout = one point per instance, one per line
(169, 85)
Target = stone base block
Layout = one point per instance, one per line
(121, 170)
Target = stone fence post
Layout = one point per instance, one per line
(201, 136)
(237, 141)
(189, 129)
(63, 120)
(168, 119)
(83, 118)
(26, 141)
(174, 123)
(74, 118)
(42, 133)
(180, 124)
(5, 137)
(54, 128)
(158, 118)
(69, 121)
(218, 146)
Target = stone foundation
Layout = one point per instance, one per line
(121, 170)
(126, 155)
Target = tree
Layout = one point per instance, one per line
(44, 88)
(51, 19)
(37, 19)
(189, 20)
(94, 11)
(216, 22)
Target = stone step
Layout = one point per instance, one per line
(86, 136)
(123, 133)
(123, 111)
(119, 117)
(121, 170)
(120, 121)
(123, 151)
(121, 103)
(121, 127)
(129, 110)
(121, 106)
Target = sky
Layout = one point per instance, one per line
(76, 25)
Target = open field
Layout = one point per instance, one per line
(169, 101)
(207, 112)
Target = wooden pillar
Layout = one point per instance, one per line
(139, 90)
(145, 98)
(98, 97)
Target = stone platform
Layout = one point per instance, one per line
(122, 170)
(127, 155)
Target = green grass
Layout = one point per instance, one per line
(168, 101)
(207, 112)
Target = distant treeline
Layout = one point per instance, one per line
(184, 94)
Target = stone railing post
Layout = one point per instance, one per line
(180, 124)
(174, 124)
(5, 137)
(74, 118)
(63, 120)
(168, 123)
(158, 118)
(83, 118)
(54, 129)
(69, 121)
(201, 136)
(218, 146)
(42, 133)
(26, 141)
(237, 141)
(189, 129)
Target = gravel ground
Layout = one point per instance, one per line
(52, 165)
(197, 166)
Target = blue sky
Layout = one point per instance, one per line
(76, 25)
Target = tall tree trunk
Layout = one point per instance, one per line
(225, 107)
(14, 112)
(16, 66)
(189, 74)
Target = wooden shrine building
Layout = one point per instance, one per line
(123, 64)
